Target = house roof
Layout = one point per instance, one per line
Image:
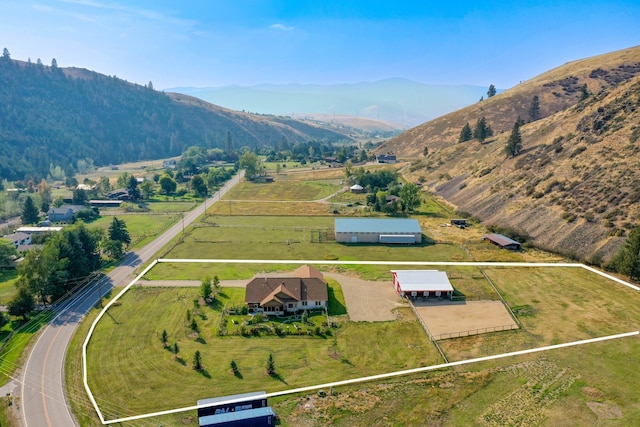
(423, 280)
(266, 289)
(232, 398)
(500, 239)
(35, 230)
(386, 225)
(304, 284)
(356, 187)
(16, 237)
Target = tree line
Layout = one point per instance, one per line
(65, 259)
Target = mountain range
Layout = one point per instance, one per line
(401, 102)
(575, 185)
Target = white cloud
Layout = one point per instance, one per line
(133, 11)
(281, 27)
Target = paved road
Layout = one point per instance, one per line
(44, 402)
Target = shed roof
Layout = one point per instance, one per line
(243, 397)
(377, 225)
(500, 239)
(229, 417)
(423, 280)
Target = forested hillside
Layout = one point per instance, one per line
(54, 117)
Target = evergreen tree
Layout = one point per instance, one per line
(197, 361)
(79, 197)
(514, 143)
(30, 213)
(271, 365)
(492, 91)
(482, 130)
(465, 134)
(6, 54)
(118, 231)
(534, 109)
(627, 260)
(132, 188)
(584, 92)
(205, 288)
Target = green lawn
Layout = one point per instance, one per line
(274, 237)
(142, 227)
(282, 190)
(7, 285)
(126, 355)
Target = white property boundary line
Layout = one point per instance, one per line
(355, 380)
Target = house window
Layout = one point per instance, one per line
(317, 302)
(290, 305)
(304, 303)
(414, 293)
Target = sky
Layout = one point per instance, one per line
(211, 43)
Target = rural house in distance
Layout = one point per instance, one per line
(278, 294)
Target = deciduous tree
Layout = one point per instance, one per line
(22, 304)
(167, 184)
(410, 195)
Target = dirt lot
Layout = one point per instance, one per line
(452, 319)
(368, 301)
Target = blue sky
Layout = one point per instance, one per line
(215, 43)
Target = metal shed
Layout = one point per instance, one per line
(378, 230)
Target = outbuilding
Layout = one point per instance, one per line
(502, 241)
(357, 189)
(378, 230)
(422, 283)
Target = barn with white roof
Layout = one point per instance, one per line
(422, 283)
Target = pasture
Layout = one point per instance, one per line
(586, 384)
(147, 373)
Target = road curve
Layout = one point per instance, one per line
(43, 399)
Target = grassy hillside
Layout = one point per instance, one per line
(574, 187)
(52, 116)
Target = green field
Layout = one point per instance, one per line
(554, 305)
(140, 375)
(275, 237)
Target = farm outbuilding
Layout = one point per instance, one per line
(502, 241)
(389, 230)
(422, 283)
(357, 189)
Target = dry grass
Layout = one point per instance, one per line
(574, 185)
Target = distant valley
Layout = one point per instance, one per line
(399, 103)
